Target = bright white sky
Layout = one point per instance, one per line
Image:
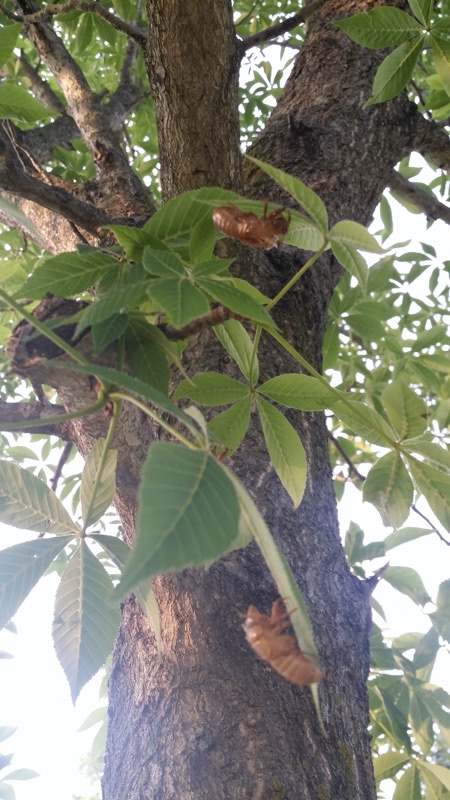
(34, 695)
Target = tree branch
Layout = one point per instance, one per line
(432, 143)
(133, 31)
(40, 88)
(91, 117)
(22, 412)
(281, 27)
(55, 198)
(428, 203)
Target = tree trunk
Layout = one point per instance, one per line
(204, 718)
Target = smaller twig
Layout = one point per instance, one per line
(9, 14)
(59, 467)
(433, 527)
(427, 203)
(346, 458)
(133, 31)
(247, 16)
(214, 317)
(280, 28)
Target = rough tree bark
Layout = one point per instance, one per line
(204, 718)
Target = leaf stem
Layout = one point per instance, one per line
(56, 419)
(296, 277)
(108, 441)
(166, 425)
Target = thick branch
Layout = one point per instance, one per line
(53, 197)
(432, 143)
(22, 412)
(427, 203)
(92, 119)
(281, 27)
(133, 31)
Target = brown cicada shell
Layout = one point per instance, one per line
(267, 638)
(263, 232)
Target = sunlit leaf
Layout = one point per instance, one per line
(285, 449)
(406, 411)
(21, 566)
(231, 425)
(395, 71)
(212, 389)
(86, 623)
(409, 582)
(389, 487)
(238, 344)
(107, 486)
(27, 502)
(188, 513)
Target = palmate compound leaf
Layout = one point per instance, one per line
(212, 389)
(188, 513)
(396, 70)
(285, 449)
(408, 785)
(238, 344)
(21, 566)
(27, 502)
(390, 489)
(380, 27)
(86, 622)
(231, 425)
(106, 488)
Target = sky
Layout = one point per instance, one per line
(34, 695)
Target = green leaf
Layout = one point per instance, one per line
(212, 266)
(441, 617)
(435, 487)
(179, 298)
(406, 411)
(386, 765)
(134, 240)
(408, 786)
(27, 502)
(85, 624)
(6, 731)
(365, 422)
(285, 449)
(108, 331)
(390, 489)
(308, 199)
(422, 10)
(225, 292)
(441, 54)
(8, 38)
(203, 237)
(298, 391)
(442, 774)
(238, 344)
(380, 27)
(407, 581)
(6, 791)
(119, 552)
(126, 292)
(405, 535)
(230, 426)
(303, 234)
(421, 722)
(188, 513)
(352, 261)
(395, 71)
(21, 775)
(107, 487)
(283, 577)
(147, 351)
(212, 389)
(438, 455)
(353, 234)
(175, 221)
(163, 264)
(21, 567)
(68, 274)
(17, 104)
